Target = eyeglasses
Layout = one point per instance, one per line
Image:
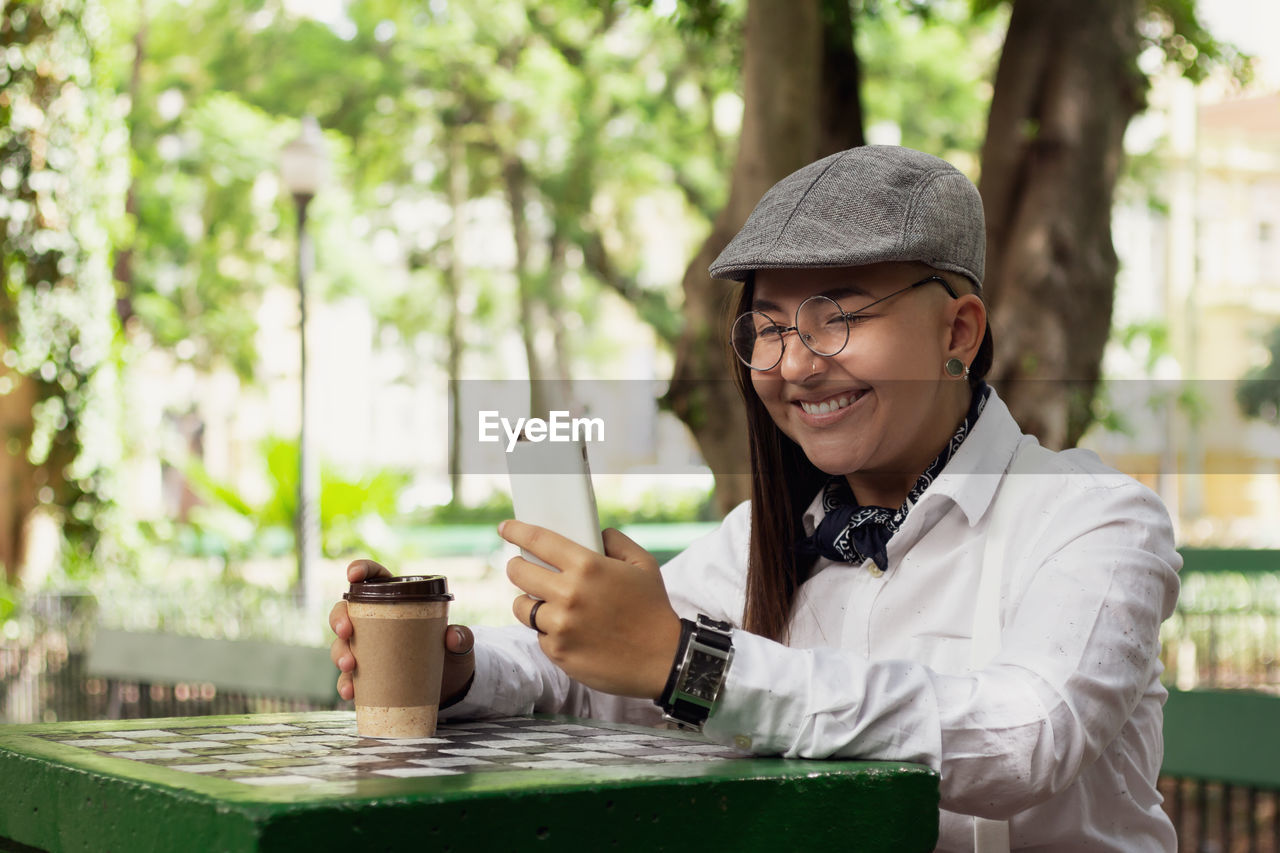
(821, 325)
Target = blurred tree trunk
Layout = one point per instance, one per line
(800, 84)
(514, 181)
(1066, 87)
(56, 293)
(17, 476)
(123, 268)
(453, 284)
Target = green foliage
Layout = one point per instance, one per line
(1173, 27)
(661, 507)
(1258, 394)
(187, 599)
(497, 508)
(8, 601)
(234, 527)
(1148, 338)
(941, 54)
(60, 186)
(657, 507)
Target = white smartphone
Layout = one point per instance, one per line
(551, 487)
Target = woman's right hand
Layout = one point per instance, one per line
(459, 659)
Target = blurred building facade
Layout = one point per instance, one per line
(1199, 290)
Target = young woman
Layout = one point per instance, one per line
(914, 579)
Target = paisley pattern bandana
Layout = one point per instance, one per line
(850, 533)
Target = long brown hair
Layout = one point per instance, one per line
(783, 483)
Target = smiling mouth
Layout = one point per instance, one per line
(834, 404)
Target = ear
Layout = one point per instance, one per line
(968, 323)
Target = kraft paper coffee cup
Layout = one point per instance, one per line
(398, 643)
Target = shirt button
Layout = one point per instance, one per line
(742, 742)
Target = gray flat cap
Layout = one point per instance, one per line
(866, 205)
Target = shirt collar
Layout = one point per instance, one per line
(972, 476)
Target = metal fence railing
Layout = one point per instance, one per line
(45, 677)
(1225, 632)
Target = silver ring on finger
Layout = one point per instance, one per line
(533, 615)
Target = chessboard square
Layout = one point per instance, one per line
(407, 741)
(147, 734)
(242, 756)
(126, 751)
(292, 748)
(409, 772)
(576, 755)
(234, 736)
(354, 760)
(545, 736)
(190, 744)
(263, 729)
(663, 745)
(509, 743)
(571, 728)
(275, 780)
(98, 742)
(283, 762)
(188, 759)
(323, 771)
(623, 748)
(552, 765)
(329, 740)
(709, 749)
(479, 751)
(386, 749)
(155, 754)
(674, 757)
(170, 738)
(214, 767)
(216, 748)
(450, 761)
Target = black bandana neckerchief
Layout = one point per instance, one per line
(850, 533)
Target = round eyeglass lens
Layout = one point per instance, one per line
(757, 340)
(822, 325)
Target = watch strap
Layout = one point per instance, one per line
(710, 643)
(686, 631)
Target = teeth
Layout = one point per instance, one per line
(828, 406)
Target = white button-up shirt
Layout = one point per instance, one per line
(1060, 733)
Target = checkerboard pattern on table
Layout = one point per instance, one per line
(307, 752)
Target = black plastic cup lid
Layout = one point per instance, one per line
(401, 589)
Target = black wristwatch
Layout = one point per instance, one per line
(698, 671)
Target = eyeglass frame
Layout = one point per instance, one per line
(846, 315)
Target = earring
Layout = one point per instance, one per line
(956, 367)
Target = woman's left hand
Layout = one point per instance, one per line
(605, 620)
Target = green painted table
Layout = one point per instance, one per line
(308, 782)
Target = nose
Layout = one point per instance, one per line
(799, 363)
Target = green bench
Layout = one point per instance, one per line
(301, 675)
(1219, 744)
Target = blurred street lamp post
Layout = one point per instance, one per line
(302, 169)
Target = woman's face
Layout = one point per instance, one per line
(883, 405)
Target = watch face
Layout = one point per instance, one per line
(703, 675)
